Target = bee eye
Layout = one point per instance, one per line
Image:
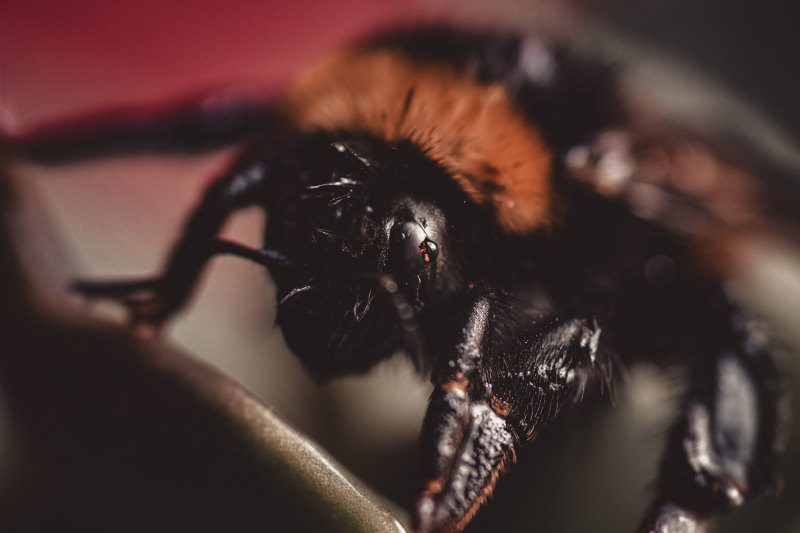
(412, 254)
(408, 246)
(429, 250)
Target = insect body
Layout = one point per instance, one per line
(485, 203)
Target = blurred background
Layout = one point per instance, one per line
(118, 217)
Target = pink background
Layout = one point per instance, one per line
(63, 56)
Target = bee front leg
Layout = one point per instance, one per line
(151, 301)
(454, 421)
(491, 394)
(725, 448)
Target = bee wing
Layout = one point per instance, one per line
(713, 194)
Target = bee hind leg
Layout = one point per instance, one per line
(725, 448)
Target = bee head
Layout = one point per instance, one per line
(371, 241)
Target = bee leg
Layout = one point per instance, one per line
(724, 450)
(482, 407)
(189, 125)
(151, 301)
(453, 426)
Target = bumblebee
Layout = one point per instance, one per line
(488, 204)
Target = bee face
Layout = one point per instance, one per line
(369, 240)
